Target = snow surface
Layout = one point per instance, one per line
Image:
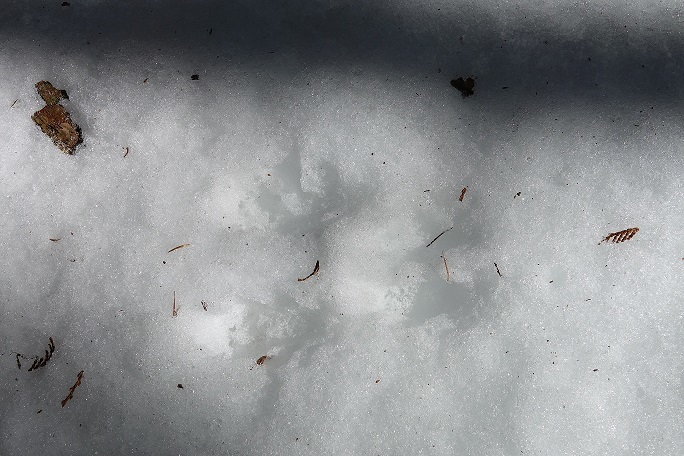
(328, 131)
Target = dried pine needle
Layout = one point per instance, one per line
(446, 266)
(438, 236)
(315, 271)
(174, 312)
(178, 247)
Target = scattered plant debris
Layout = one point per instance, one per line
(465, 86)
(180, 386)
(262, 359)
(204, 305)
(127, 151)
(145, 81)
(377, 381)
(55, 121)
(55, 239)
(315, 271)
(73, 388)
(194, 77)
(66, 4)
(497, 270)
(174, 312)
(178, 247)
(40, 362)
(15, 102)
(438, 236)
(620, 236)
(463, 192)
(19, 355)
(517, 195)
(446, 266)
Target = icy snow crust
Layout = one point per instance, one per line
(328, 131)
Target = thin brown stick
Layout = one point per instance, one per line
(72, 389)
(463, 192)
(127, 150)
(178, 247)
(174, 312)
(315, 271)
(15, 102)
(446, 266)
(497, 270)
(55, 239)
(439, 235)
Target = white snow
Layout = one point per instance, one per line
(329, 131)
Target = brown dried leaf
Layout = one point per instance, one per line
(620, 236)
(465, 86)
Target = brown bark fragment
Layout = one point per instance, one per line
(55, 121)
